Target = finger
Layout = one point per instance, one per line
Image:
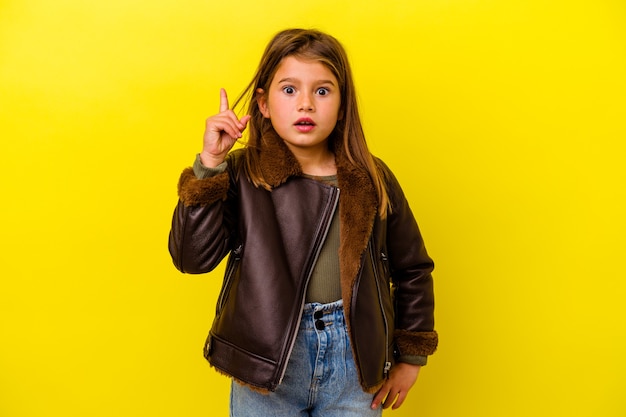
(379, 397)
(239, 123)
(223, 100)
(226, 125)
(230, 115)
(389, 400)
(231, 130)
(227, 118)
(244, 121)
(399, 401)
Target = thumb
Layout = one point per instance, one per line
(244, 120)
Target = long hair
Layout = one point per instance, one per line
(321, 47)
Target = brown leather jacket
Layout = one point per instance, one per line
(273, 239)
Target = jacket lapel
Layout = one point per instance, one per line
(358, 206)
(276, 161)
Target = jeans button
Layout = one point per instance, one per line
(319, 325)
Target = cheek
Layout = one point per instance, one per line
(337, 112)
(337, 108)
(277, 106)
(278, 112)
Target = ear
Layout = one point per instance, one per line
(261, 100)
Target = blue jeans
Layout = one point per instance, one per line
(321, 377)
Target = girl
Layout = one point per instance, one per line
(327, 303)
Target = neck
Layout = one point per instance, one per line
(318, 164)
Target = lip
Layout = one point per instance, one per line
(304, 124)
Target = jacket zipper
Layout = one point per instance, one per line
(387, 366)
(320, 238)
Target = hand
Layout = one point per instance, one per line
(401, 378)
(221, 133)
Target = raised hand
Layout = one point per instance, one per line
(221, 132)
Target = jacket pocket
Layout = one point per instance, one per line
(231, 268)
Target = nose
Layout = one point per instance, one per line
(306, 103)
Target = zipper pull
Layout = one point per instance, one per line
(237, 252)
(207, 347)
(387, 368)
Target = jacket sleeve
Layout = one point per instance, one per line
(410, 267)
(202, 231)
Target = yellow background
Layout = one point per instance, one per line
(504, 120)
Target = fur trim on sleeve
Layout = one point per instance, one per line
(416, 343)
(202, 192)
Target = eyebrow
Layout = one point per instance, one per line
(294, 80)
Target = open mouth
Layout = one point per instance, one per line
(305, 124)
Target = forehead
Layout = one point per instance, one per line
(305, 70)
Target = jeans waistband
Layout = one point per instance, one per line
(311, 308)
(317, 315)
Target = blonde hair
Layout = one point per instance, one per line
(312, 45)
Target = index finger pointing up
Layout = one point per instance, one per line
(223, 100)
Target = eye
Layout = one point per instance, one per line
(322, 91)
(289, 90)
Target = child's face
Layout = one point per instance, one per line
(303, 104)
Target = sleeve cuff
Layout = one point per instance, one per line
(413, 359)
(203, 172)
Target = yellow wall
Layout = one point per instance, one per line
(505, 121)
